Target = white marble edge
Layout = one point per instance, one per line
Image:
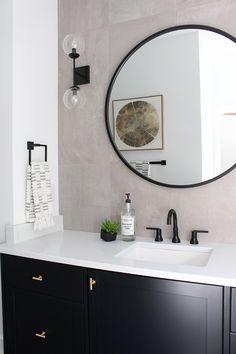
(88, 250)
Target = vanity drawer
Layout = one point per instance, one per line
(232, 343)
(42, 323)
(54, 279)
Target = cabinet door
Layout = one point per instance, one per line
(37, 324)
(138, 315)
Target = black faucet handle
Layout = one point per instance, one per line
(158, 237)
(194, 240)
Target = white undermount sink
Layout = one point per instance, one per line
(167, 254)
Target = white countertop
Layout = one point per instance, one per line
(88, 250)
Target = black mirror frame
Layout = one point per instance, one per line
(108, 95)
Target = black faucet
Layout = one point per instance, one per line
(171, 213)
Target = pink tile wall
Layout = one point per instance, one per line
(92, 178)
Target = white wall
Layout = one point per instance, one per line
(172, 69)
(28, 87)
(35, 81)
(6, 195)
(218, 87)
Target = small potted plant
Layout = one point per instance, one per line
(109, 229)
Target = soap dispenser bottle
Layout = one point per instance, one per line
(128, 220)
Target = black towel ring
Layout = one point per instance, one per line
(31, 145)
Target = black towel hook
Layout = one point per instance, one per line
(162, 162)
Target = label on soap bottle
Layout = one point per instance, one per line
(127, 225)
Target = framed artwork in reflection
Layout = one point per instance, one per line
(138, 123)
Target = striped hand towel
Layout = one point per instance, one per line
(142, 167)
(38, 205)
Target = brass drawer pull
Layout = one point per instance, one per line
(41, 335)
(92, 282)
(39, 278)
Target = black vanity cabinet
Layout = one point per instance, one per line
(44, 307)
(138, 315)
(51, 308)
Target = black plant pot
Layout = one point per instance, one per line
(107, 236)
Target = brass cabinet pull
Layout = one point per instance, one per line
(38, 278)
(92, 282)
(41, 335)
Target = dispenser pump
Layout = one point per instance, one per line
(128, 200)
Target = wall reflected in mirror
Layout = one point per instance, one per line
(193, 74)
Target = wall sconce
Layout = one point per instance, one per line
(81, 75)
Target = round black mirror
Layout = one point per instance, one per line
(171, 108)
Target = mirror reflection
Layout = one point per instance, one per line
(171, 112)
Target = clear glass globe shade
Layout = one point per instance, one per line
(73, 98)
(73, 41)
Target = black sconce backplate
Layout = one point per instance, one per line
(82, 75)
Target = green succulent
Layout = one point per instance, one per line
(110, 226)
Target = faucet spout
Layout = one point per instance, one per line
(172, 215)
